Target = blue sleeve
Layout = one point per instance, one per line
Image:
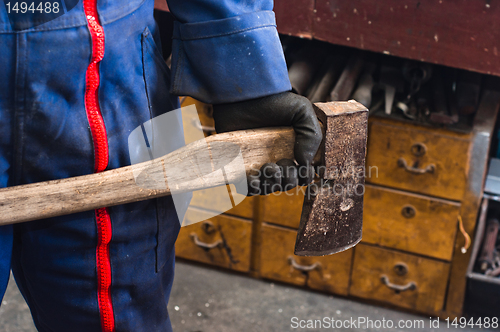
(6, 238)
(226, 50)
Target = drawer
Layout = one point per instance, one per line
(205, 115)
(218, 199)
(409, 222)
(327, 273)
(418, 159)
(401, 279)
(221, 241)
(284, 208)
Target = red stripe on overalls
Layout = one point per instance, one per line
(101, 157)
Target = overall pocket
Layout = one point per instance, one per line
(157, 81)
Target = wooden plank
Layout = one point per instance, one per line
(463, 34)
(295, 17)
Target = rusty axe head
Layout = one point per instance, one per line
(332, 214)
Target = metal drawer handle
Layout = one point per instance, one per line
(398, 288)
(197, 124)
(429, 169)
(204, 245)
(304, 268)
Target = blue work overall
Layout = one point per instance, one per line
(71, 91)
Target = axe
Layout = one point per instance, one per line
(331, 219)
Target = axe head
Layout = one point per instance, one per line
(332, 214)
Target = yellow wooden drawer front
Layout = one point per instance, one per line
(409, 222)
(284, 208)
(229, 237)
(377, 273)
(205, 115)
(327, 273)
(221, 202)
(417, 159)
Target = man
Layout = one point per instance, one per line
(72, 90)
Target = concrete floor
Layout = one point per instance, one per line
(204, 299)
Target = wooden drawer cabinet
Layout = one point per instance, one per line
(420, 180)
(419, 159)
(404, 280)
(223, 241)
(410, 222)
(327, 273)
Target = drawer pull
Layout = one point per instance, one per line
(204, 245)
(208, 227)
(398, 288)
(465, 234)
(401, 269)
(418, 149)
(408, 211)
(429, 169)
(303, 268)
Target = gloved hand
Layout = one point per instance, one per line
(283, 109)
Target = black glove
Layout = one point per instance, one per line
(283, 109)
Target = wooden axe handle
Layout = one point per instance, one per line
(60, 197)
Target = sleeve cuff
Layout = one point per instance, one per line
(229, 60)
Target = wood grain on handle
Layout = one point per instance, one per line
(119, 186)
